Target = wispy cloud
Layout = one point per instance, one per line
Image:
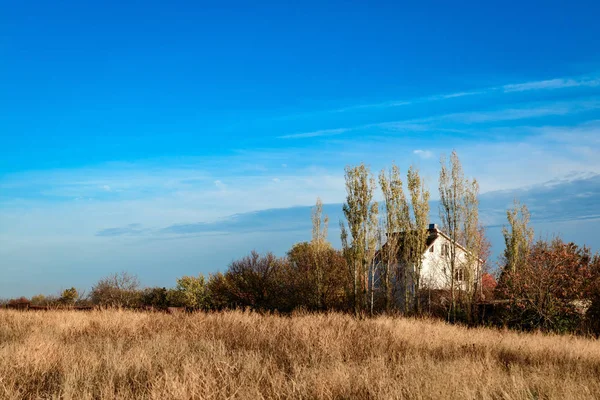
(441, 123)
(400, 103)
(322, 132)
(541, 85)
(551, 84)
(220, 185)
(532, 111)
(131, 229)
(425, 154)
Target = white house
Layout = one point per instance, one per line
(436, 268)
(435, 272)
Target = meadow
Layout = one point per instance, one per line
(119, 354)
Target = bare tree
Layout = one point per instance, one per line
(117, 290)
(361, 214)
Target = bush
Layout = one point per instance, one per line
(117, 290)
(545, 291)
(155, 297)
(190, 293)
(69, 296)
(259, 282)
(19, 303)
(322, 289)
(593, 297)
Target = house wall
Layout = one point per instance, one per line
(436, 267)
(435, 272)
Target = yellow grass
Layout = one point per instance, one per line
(124, 355)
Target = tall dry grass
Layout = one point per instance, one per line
(125, 354)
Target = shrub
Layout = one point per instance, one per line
(21, 302)
(117, 290)
(260, 282)
(69, 296)
(155, 297)
(543, 292)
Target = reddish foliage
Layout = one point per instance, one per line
(488, 282)
(19, 301)
(544, 291)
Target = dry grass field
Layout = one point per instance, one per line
(237, 355)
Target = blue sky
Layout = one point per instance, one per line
(121, 120)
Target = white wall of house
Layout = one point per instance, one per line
(435, 273)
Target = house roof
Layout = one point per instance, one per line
(434, 233)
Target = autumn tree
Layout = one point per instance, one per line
(547, 288)
(483, 248)
(593, 296)
(418, 232)
(359, 239)
(475, 241)
(334, 278)
(69, 296)
(220, 294)
(460, 221)
(518, 237)
(39, 300)
(155, 297)
(258, 281)
(319, 245)
(395, 223)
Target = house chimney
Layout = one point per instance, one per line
(433, 227)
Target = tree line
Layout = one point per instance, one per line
(536, 284)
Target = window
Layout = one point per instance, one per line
(445, 249)
(431, 249)
(459, 275)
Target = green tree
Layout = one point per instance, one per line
(69, 296)
(219, 292)
(190, 292)
(155, 297)
(39, 300)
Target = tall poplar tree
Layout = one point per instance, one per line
(460, 221)
(518, 238)
(395, 224)
(474, 242)
(418, 232)
(360, 239)
(451, 193)
(319, 245)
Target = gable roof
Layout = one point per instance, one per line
(434, 234)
